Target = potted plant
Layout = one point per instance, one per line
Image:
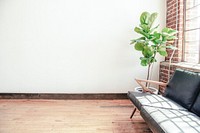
(152, 42)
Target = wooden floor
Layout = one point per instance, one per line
(69, 116)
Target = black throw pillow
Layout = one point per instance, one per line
(196, 106)
(183, 87)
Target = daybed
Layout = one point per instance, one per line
(177, 110)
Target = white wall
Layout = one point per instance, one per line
(71, 46)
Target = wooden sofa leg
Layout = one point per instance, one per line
(133, 113)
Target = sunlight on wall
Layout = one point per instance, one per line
(71, 46)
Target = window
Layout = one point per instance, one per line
(191, 49)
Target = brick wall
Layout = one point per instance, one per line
(174, 18)
(175, 21)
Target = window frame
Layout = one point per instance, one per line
(183, 58)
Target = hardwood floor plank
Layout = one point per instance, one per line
(69, 116)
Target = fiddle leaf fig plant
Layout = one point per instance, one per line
(152, 41)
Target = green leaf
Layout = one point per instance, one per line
(165, 30)
(152, 38)
(171, 37)
(163, 42)
(164, 39)
(139, 46)
(147, 51)
(152, 18)
(144, 61)
(145, 27)
(172, 31)
(144, 18)
(154, 28)
(157, 41)
(152, 59)
(169, 31)
(171, 47)
(156, 35)
(162, 52)
(140, 40)
(156, 38)
(164, 34)
(132, 41)
(140, 31)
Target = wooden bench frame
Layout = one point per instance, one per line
(145, 89)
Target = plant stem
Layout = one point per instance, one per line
(148, 73)
(149, 68)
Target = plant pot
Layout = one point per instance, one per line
(140, 90)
